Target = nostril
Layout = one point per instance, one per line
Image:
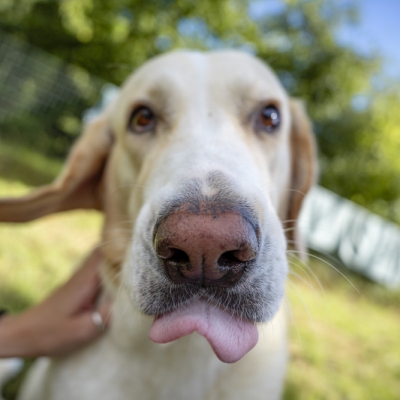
(228, 260)
(176, 262)
(246, 252)
(178, 256)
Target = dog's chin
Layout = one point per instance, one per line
(230, 336)
(256, 301)
(226, 318)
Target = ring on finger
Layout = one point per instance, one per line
(98, 321)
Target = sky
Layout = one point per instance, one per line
(377, 31)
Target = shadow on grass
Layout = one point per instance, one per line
(13, 301)
(27, 166)
(10, 390)
(290, 392)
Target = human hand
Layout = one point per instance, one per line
(60, 323)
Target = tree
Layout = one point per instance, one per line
(108, 38)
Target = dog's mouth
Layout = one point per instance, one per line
(230, 336)
(213, 272)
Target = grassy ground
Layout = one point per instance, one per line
(344, 344)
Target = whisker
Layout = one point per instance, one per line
(288, 220)
(326, 262)
(297, 293)
(288, 307)
(308, 282)
(309, 269)
(270, 185)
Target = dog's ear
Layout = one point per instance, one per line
(78, 186)
(303, 172)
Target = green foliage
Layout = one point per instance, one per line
(103, 35)
(109, 38)
(360, 154)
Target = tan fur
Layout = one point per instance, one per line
(304, 170)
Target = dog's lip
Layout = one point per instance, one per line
(230, 336)
(202, 298)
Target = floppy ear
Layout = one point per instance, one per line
(304, 169)
(78, 186)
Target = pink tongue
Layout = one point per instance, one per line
(230, 337)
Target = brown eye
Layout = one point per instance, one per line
(142, 120)
(269, 119)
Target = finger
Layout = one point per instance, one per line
(73, 332)
(87, 270)
(86, 328)
(82, 330)
(82, 288)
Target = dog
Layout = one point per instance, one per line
(200, 166)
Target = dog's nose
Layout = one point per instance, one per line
(206, 249)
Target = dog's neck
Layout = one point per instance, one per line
(129, 327)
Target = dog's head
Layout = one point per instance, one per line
(200, 165)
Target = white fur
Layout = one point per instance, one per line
(210, 101)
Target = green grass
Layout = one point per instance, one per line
(344, 344)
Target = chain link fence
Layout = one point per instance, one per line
(42, 98)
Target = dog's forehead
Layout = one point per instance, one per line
(192, 71)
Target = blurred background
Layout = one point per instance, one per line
(342, 57)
